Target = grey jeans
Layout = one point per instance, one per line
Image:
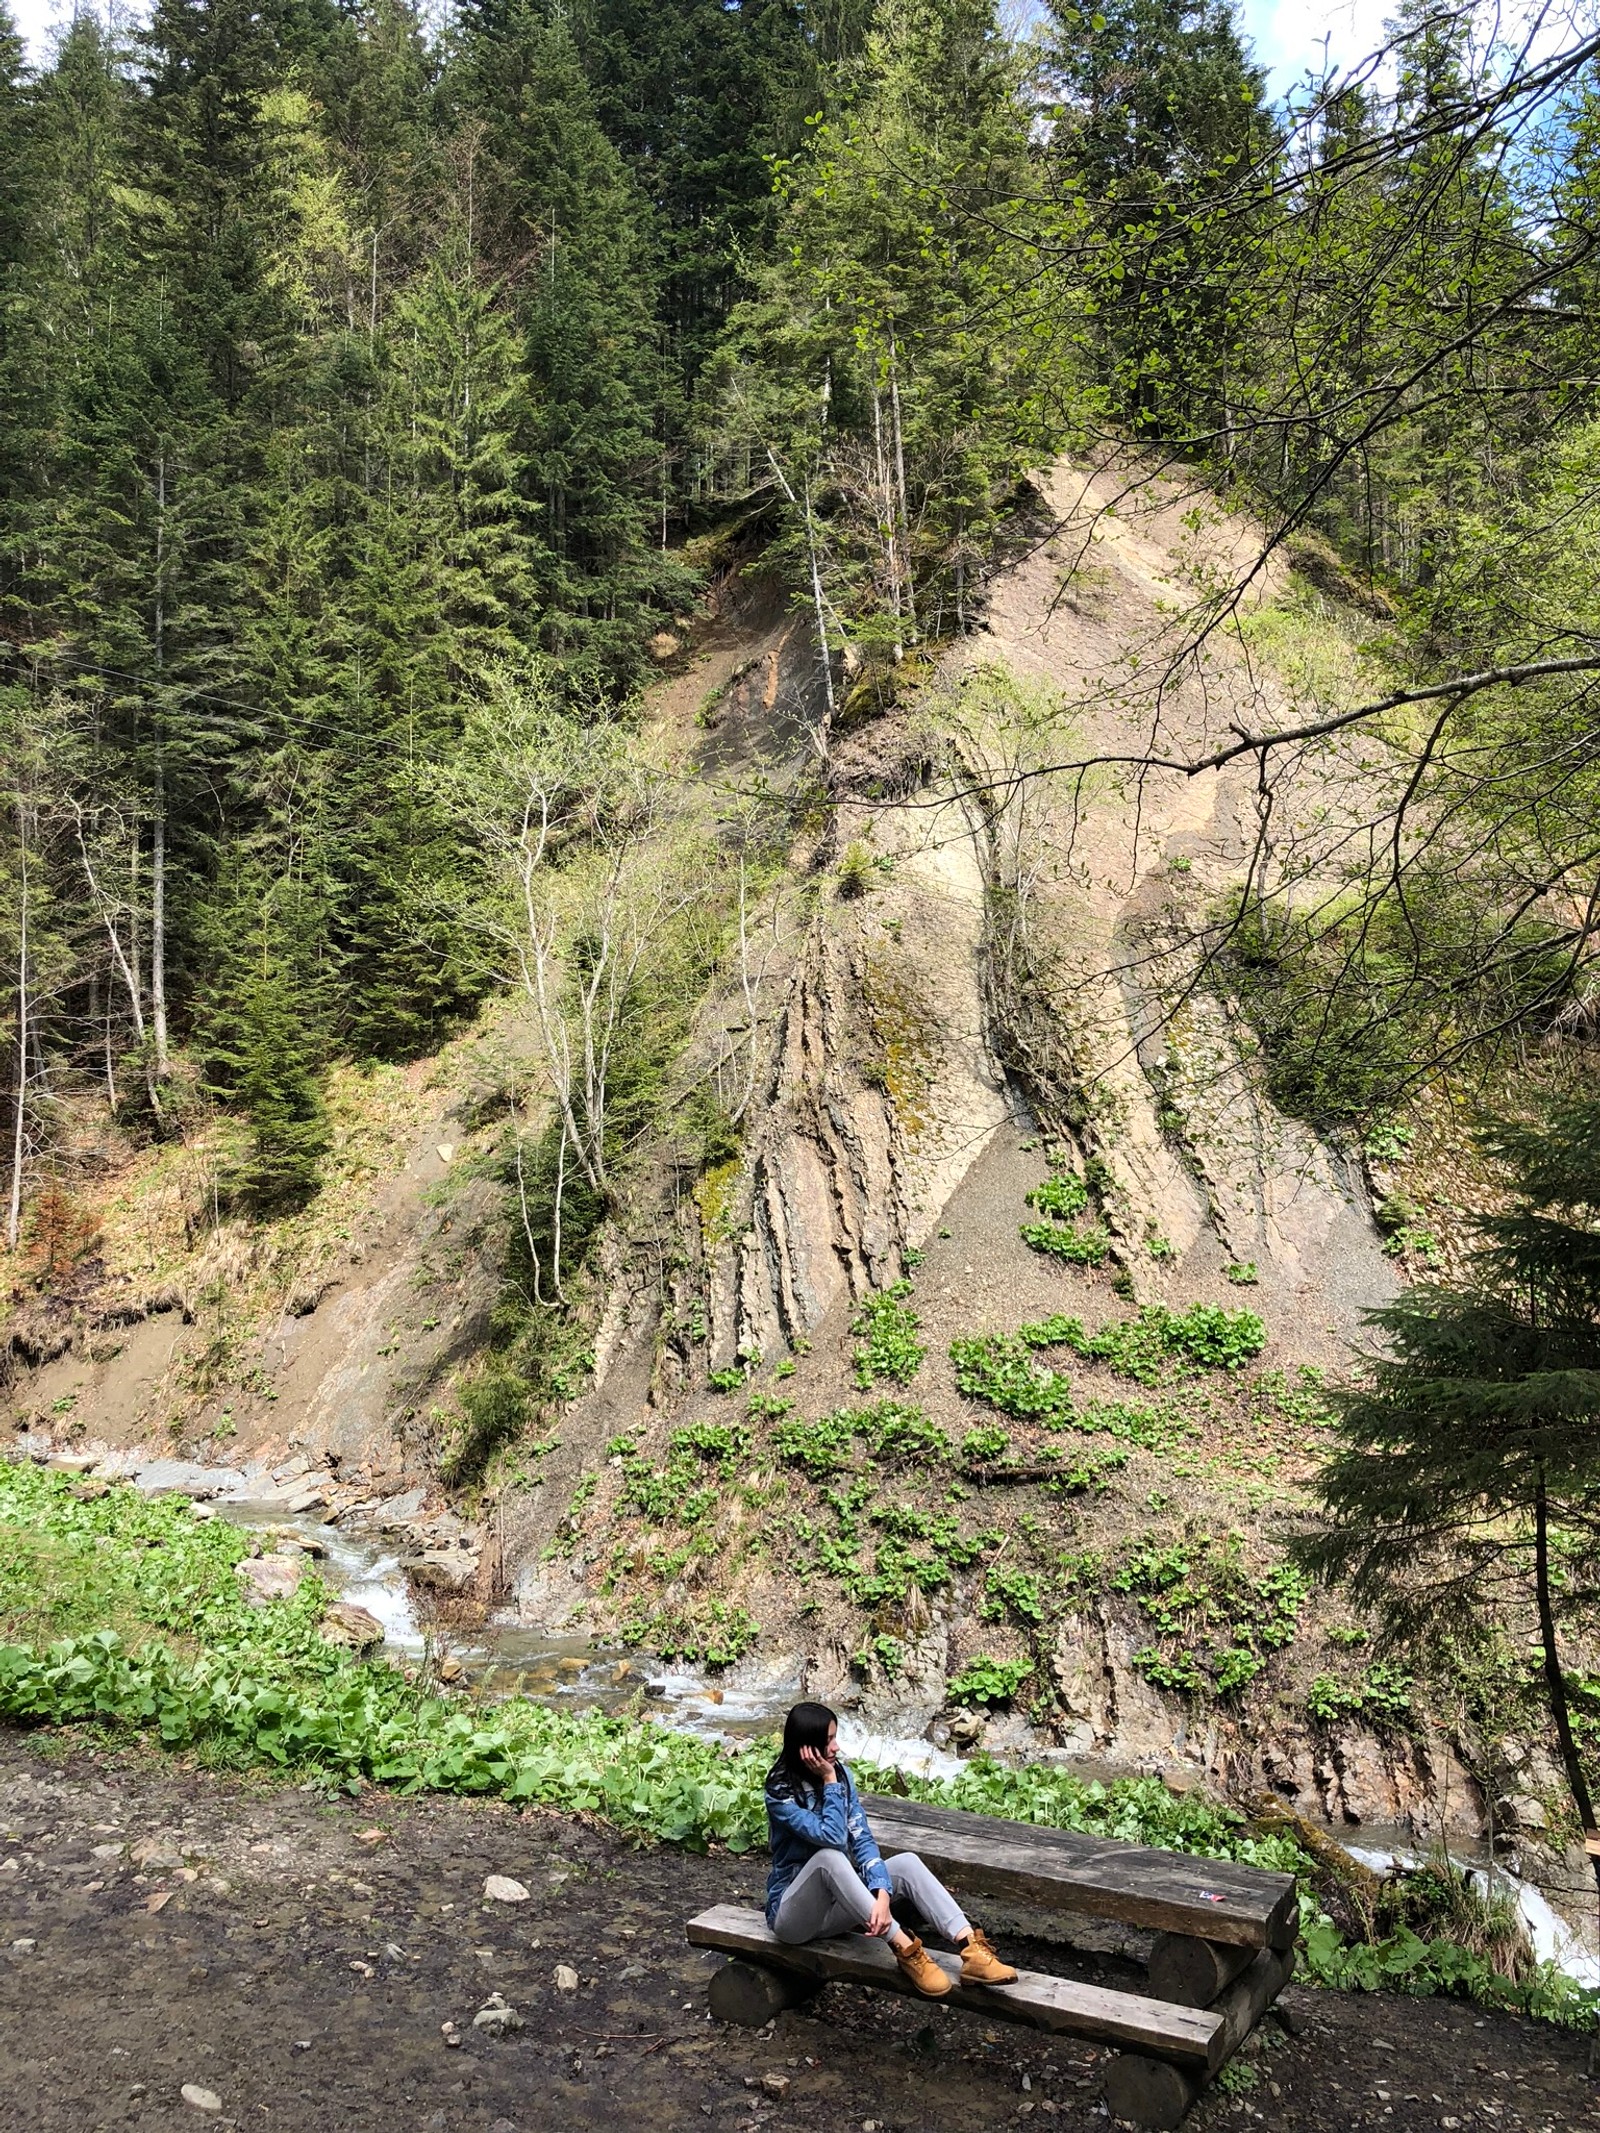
(828, 1896)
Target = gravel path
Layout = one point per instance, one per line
(294, 1960)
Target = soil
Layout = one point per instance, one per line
(297, 1958)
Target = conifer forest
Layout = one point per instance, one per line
(798, 814)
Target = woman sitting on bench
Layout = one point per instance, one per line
(827, 1875)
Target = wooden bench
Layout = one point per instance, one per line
(1210, 1916)
(1224, 1948)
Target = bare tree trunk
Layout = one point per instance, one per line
(158, 923)
(24, 981)
(904, 508)
(158, 842)
(888, 517)
(1555, 1680)
(818, 600)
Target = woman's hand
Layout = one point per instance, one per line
(820, 1765)
(880, 1922)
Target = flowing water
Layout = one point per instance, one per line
(508, 1657)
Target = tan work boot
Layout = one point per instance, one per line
(979, 1963)
(923, 1972)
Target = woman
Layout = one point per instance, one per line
(827, 1875)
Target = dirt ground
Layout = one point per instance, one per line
(161, 1926)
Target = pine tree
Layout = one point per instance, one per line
(1463, 1493)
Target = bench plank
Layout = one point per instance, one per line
(1192, 2036)
(1062, 1870)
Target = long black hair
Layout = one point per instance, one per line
(805, 1727)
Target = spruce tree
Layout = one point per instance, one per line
(598, 388)
(1463, 1493)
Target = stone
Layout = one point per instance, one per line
(351, 1626)
(965, 1729)
(775, 2084)
(160, 1852)
(447, 1570)
(497, 2018)
(451, 2035)
(106, 1851)
(400, 1510)
(270, 1577)
(202, 2099)
(72, 1462)
(23, 1947)
(307, 1499)
(566, 1978)
(1524, 1812)
(500, 1888)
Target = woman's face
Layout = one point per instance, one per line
(832, 1748)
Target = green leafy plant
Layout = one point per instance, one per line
(1242, 1273)
(1000, 1370)
(1061, 1199)
(889, 1347)
(1011, 1595)
(988, 1682)
(1382, 1697)
(1217, 1621)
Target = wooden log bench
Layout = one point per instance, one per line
(1224, 1948)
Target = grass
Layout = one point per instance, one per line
(191, 1662)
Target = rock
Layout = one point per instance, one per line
(270, 1577)
(202, 2099)
(566, 1978)
(500, 1888)
(161, 1853)
(450, 1670)
(965, 1729)
(663, 646)
(307, 1499)
(775, 2084)
(497, 2018)
(23, 1947)
(450, 2034)
(399, 1510)
(203, 1511)
(106, 1851)
(447, 1570)
(72, 1462)
(1523, 1812)
(351, 1626)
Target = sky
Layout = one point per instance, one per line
(1287, 34)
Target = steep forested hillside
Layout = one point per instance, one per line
(656, 660)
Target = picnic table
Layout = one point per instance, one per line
(1223, 1947)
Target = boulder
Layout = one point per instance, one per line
(352, 1626)
(270, 1577)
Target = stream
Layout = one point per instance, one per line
(510, 1658)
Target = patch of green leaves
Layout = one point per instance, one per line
(1382, 1696)
(1000, 1370)
(1216, 1620)
(888, 1344)
(987, 1682)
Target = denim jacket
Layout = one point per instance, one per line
(796, 1830)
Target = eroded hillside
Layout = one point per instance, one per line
(971, 1378)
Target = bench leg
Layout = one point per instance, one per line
(750, 1994)
(1191, 1973)
(1148, 2091)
